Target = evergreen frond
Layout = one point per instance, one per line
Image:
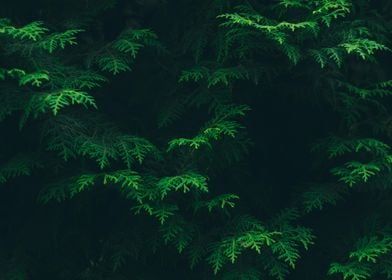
(59, 40)
(183, 182)
(114, 64)
(319, 196)
(350, 271)
(19, 165)
(32, 31)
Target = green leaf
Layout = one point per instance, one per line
(184, 182)
(35, 79)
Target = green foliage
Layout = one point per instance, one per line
(178, 232)
(318, 196)
(19, 165)
(125, 178)
(129, 148)
(364, 48)
(69, 137)
(60, 40)
(207, 180)
(369, 248)
(182, 182)
(118, 56)
(369, 258)
(161, 211)
(68, 188)
(353, 172)
(32, 31)
(35, 79)
(330, 10)
(350, 271)
(219, 126)
(114, 64)
(287, 247)
(220, 76)
(219, 202)
(249, 234)
(131, 41)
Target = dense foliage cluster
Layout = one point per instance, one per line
(195, 139)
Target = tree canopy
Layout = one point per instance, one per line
(195, 139)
